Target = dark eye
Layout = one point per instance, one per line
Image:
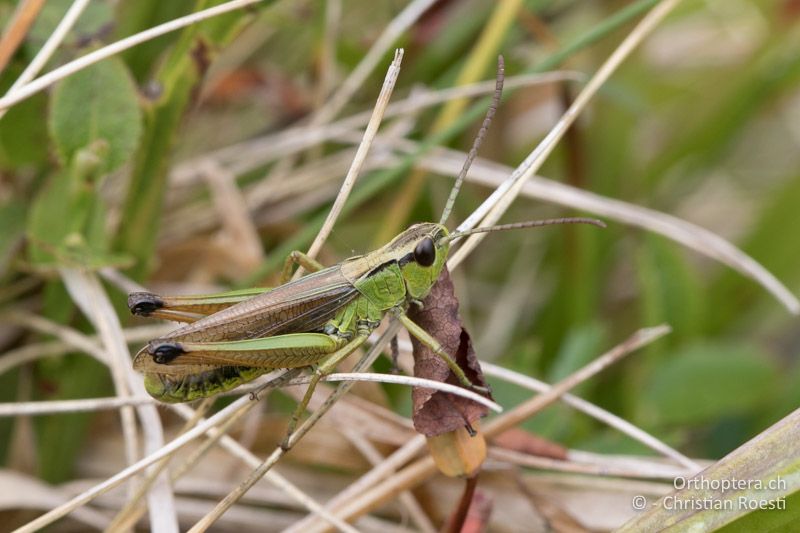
(425, 253)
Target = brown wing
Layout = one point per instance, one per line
(298, 306)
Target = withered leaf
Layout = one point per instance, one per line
(435, 412)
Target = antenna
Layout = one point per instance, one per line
(498, 91)
(528, 224)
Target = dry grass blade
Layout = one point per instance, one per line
(132, 511)
(493, 208)
(88, 294)
(598, 413)
(620, 424)
(43, 82)
(642, 466)
(327, 67)
(534, 405)
(411, 382)
(391, 33)
(361, 154)
(246, 456)
(407, 499)
(79, 286)
(601, 466)
(40, 350)
(49, 47)
(132, 470)
(248, 155)
(211, 518)
(373, 488)
(238, 228)
(72, 406)
(384, 470)
(121, 281)
(259, 472)
(68, 336)
(686, 233)
(690, 235)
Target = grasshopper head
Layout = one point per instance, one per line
(422, 250)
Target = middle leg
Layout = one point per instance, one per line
(428, 340)
(323, 369)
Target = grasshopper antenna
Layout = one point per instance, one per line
(498, 91)
(528, 224)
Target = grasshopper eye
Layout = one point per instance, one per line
(425, 253)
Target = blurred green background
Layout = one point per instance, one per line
(701, 122)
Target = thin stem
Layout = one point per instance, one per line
(361, 154)
(50, 46)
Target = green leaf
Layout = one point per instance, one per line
(66, 225)
(23, 135)
(98, 104)
(707, 381)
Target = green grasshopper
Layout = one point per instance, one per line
(314, 321)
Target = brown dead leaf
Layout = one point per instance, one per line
(435, 412)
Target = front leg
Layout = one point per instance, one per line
(428, 340)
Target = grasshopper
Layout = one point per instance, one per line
(315, 321)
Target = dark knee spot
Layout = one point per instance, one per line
(166, 352)
(144, 303)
